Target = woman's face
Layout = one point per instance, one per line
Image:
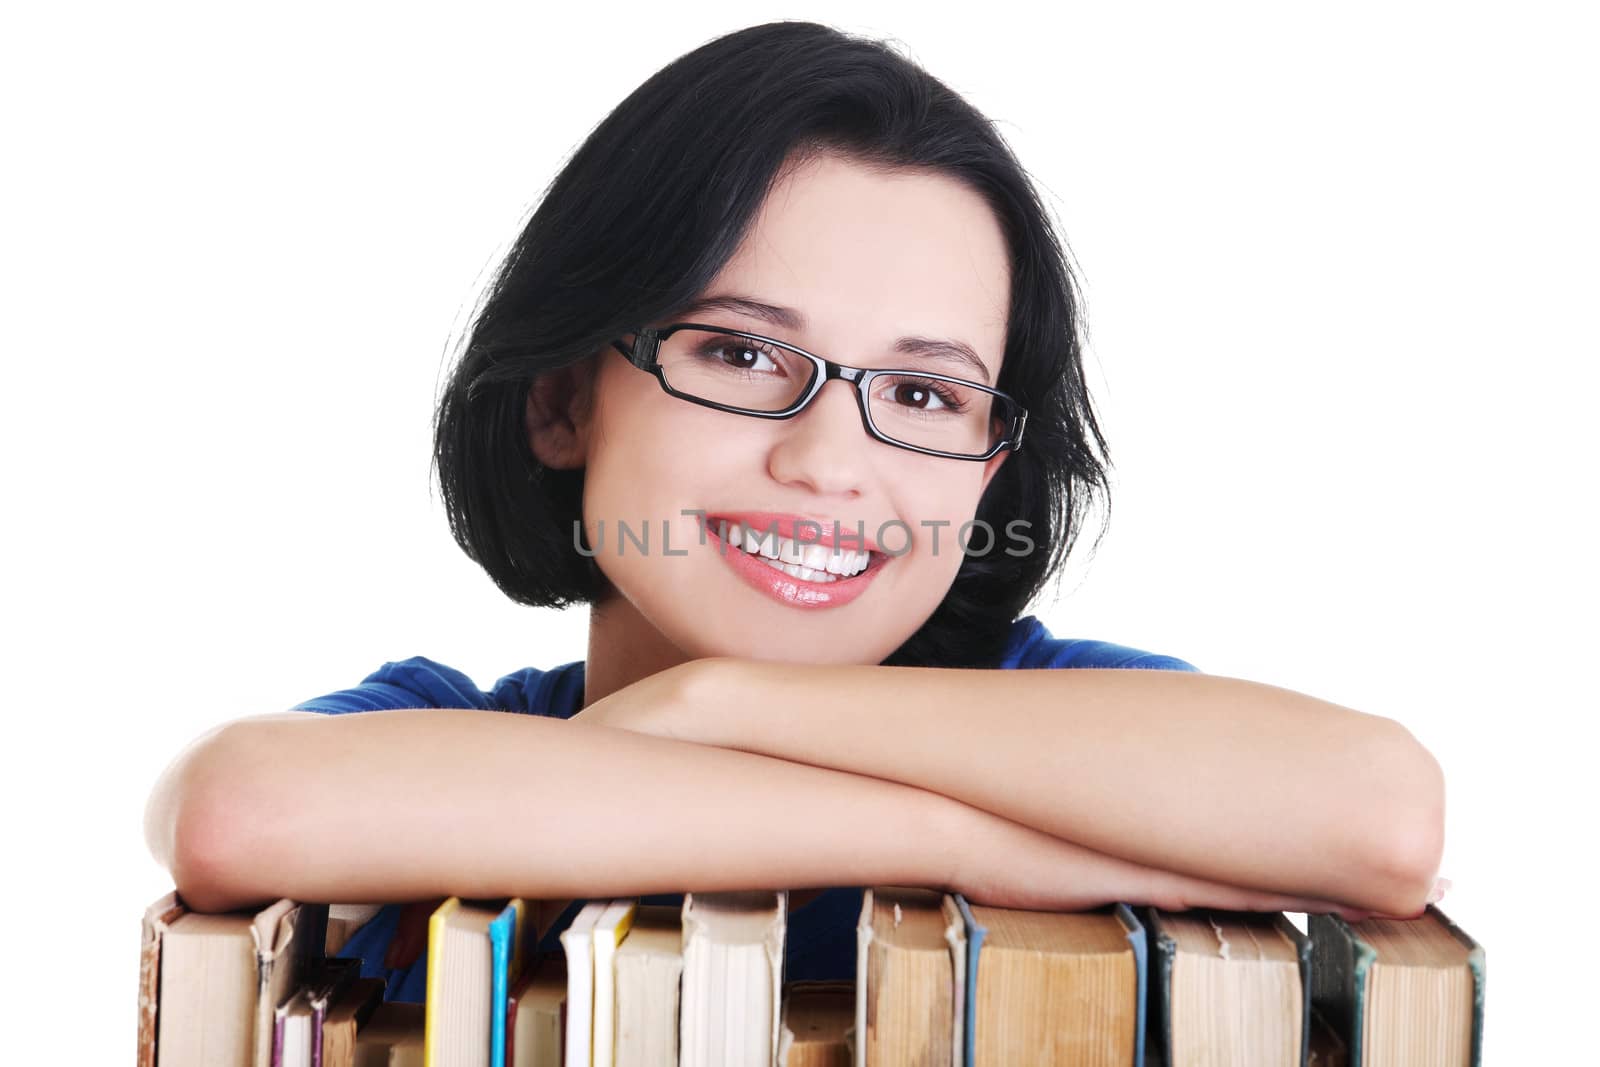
(865, 259)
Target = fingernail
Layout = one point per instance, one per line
(1439, 887)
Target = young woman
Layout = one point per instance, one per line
(792, 286)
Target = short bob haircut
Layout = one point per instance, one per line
(640, 221)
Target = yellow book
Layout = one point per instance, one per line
(609, 931)
(516, 963)
(433, 1011)
(473, 957)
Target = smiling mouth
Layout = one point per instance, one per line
(713, 524)
(806, 574)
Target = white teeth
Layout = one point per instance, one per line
(848, 563)
(815, 557)
(755, 543)
(803, 573)
(792, 558)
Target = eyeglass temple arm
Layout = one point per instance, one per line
(631, 351)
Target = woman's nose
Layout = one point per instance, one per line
(825, 445)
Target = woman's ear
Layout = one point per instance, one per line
(991, 467)
(557, 415)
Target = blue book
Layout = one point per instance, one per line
(505, 966)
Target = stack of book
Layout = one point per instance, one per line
(939, 980)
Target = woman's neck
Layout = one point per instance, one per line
(623, 648)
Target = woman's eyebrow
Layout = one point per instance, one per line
(958, 352)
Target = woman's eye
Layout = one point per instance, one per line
(743, 357)
(750, 359)
(921, 396)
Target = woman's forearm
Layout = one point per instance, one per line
(1222, 779)
(1007, 864)
(403, 805)
(408, 805)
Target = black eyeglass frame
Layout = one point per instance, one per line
(643, 354)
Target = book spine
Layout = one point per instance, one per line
(319, 1014)
(1141, 969)
(277, 1041)
(976, 932)
(432, 1017)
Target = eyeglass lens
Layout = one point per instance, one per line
(745, 373)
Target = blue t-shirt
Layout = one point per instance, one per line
(820, 941)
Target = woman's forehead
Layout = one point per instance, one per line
(852, 249)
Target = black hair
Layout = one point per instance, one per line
(643, 217)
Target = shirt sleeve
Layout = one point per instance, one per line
(1032, 646)
(417, 682)
(1086, 653)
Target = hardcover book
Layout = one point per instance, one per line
(1400, 992)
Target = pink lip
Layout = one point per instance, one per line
(803, 529)
(796, 592)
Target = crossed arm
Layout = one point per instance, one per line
(1219, 778)
(1055, 789)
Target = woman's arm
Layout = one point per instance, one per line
(410, 804)
(1219, 778)
(416, 804)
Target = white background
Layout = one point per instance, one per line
(1340, 276)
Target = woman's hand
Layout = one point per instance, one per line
(658, 704)
(1003, 863)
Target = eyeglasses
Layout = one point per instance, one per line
(766, 378)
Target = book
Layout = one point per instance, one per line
(157, 917)
(218, 979)
(649, 972)
(609, 930)
(297, 1022)
(1405, 992)
(393, 1037)
(816, 1026)
(1228, 987)
(910, 978)
(1054, 987)
(344, 920)
(506, 934)
(291, 1032)
(733, 951)
(1327, 1048)
(536, 1014)
(347, 1014)
(463, 1004)
(938, 979)
(578, 942)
